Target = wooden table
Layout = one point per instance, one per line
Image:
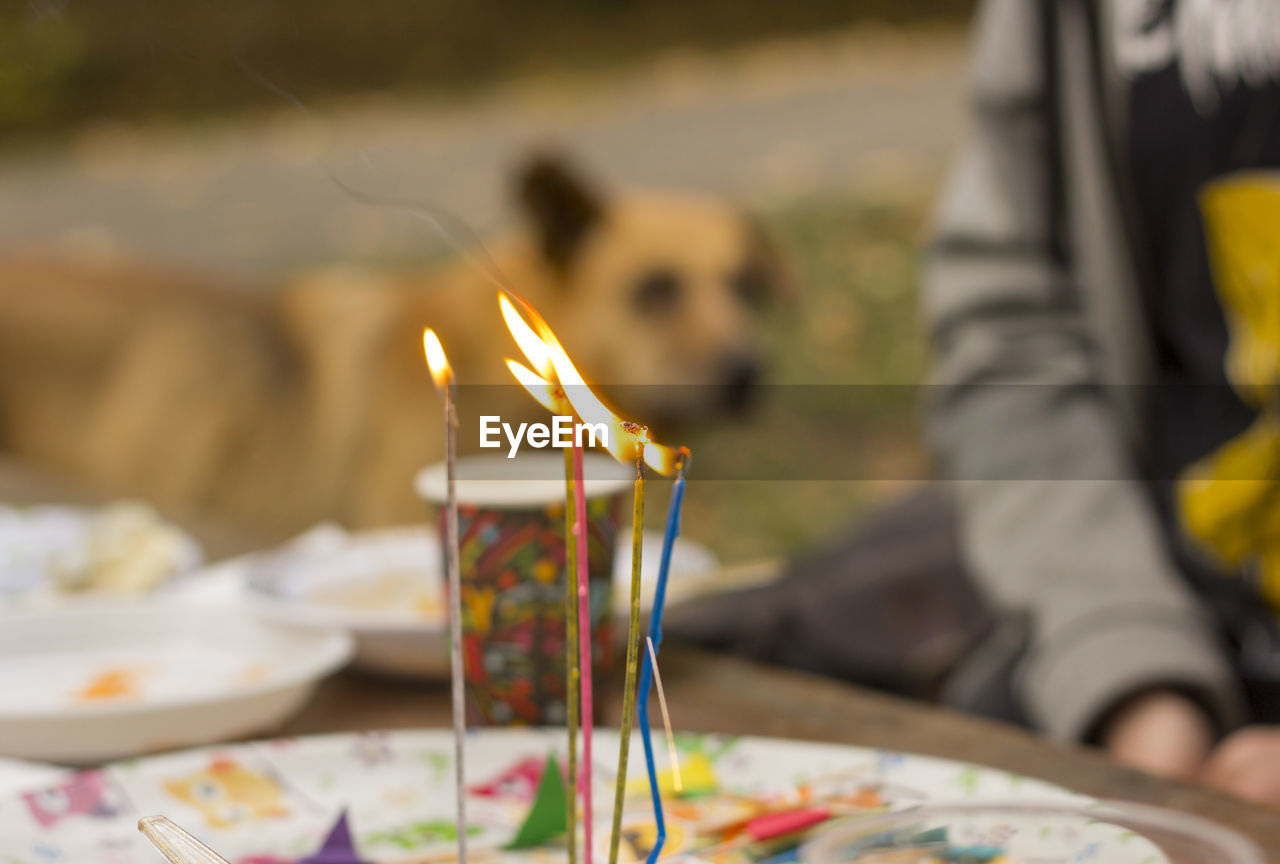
(714, 693)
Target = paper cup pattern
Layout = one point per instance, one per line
(511, 539)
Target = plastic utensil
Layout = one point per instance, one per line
(175, 843)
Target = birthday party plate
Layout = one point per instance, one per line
(1019, 830)
(385, 587)
(18, 774)
(276, 801)
(52, 556)
(84, 685)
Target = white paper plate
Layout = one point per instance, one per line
(273, 801)
(385, 587)
(47, 546)
(84, 685)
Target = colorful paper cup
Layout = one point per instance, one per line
(511, 539)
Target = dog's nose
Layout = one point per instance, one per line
(741, 374)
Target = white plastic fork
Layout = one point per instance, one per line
(175, 843)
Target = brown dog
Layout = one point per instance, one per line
(313, 401)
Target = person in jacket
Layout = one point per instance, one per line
(1104, 306)
(1103, 301)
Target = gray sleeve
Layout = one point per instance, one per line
(1053, 520)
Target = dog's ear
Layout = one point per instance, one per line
(561, 208)
(765, 276)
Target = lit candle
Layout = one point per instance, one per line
(557, 382)
(584, 646)
(577, 598)
(633, 644)
(571, 601)
(651, 659)
(442, 375)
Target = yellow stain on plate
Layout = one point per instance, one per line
(116, 684)
(428, 606)
(255, 673)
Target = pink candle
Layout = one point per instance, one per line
(584, 649)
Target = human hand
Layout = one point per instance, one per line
(1160, 732)
(1247, 764)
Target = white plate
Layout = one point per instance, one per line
(83, 685)
(273, 801)
(125, 545)
(386, 588)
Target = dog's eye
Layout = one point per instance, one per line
(657, 292)
(751, 285)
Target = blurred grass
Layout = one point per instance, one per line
(63, 64)
(846, 359)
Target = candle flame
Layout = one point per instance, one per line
(533, 348)
(626, 441)
(437, 362)
(548, 395)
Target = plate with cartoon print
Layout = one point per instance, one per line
(273, 802)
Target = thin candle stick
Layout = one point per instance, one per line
(584, 645)
(633, 659)
(571, 654)
(676, 782)
(655, 641)
(442, 375)
(659, 818)
(458, 672)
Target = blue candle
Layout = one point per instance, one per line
(655, 635)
